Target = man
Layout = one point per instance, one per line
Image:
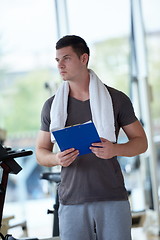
(93, 199)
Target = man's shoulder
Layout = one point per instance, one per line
(47, 106)
(114, 92)
(49, 101)
(119, 98)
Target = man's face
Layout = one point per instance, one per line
(69, 64)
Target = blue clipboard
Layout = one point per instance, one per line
(79, 136)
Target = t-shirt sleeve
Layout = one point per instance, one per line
(45, 115)
(126, 114)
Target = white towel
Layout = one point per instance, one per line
(100, 103)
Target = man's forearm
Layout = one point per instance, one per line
(132, 148)
(46, 158)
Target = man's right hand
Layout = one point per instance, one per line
(45, 155)
(66, 157)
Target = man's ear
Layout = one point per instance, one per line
(84, 58)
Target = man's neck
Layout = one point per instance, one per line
(80, 89)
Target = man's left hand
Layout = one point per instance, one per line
(104, 149)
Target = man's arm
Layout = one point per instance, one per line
(46, 157)
(137, 143)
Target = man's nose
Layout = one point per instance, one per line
(61, 64)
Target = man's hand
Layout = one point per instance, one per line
(66, 157)
(104, 149)
(136, 144)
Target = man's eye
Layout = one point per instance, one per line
(67, 58)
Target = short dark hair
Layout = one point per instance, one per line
(77, 43)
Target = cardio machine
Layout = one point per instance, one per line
(9, 165)
(56, 178)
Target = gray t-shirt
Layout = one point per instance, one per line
(89, 178)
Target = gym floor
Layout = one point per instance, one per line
(139, 234)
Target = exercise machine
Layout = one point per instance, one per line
(56, 178)
(8, 165)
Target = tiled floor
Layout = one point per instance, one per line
(139, 234)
